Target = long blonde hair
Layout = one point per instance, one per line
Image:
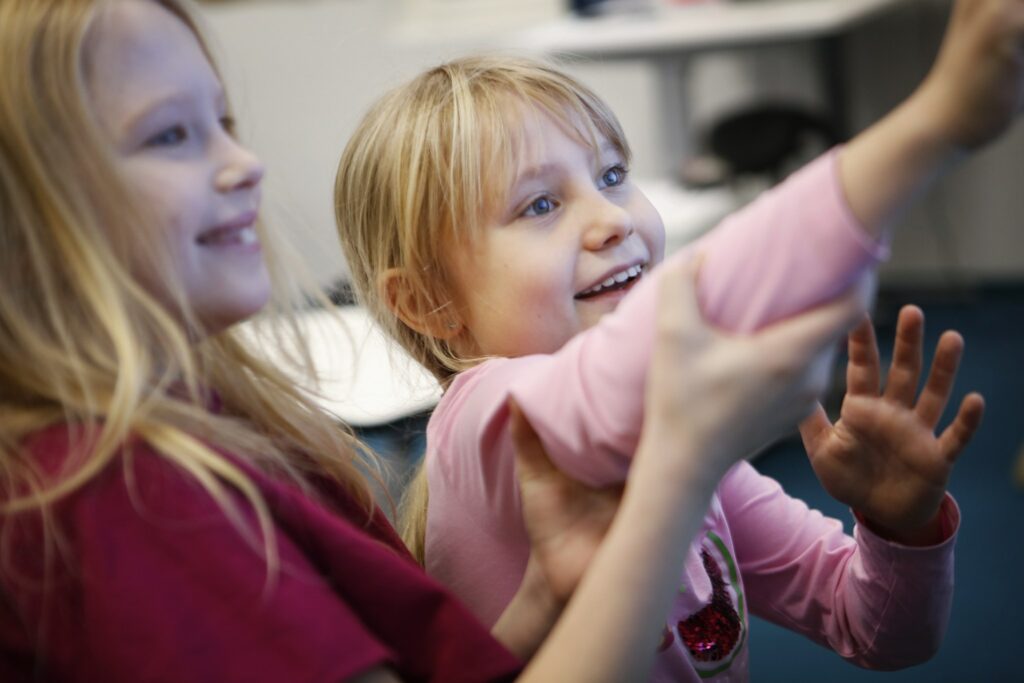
(428, 162)
(82, 343)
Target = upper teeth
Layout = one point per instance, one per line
(617, 278)
(248, 236)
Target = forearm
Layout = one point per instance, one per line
(889, 166)
(611, 627)
(795, 247)
(876, 603)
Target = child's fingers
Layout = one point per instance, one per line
(677, 298)
(958, 434)
(940, 381)
(905, 371)
(863, 373)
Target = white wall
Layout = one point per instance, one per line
(302, 72)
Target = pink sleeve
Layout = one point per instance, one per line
(878, 604)
(795, 247)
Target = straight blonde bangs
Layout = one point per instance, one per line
(431, 161)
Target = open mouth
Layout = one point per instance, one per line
(620, 280)
(226, 236)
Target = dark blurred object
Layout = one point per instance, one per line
(341, 293)
(767, 138)
(593, 8)
(586, 8)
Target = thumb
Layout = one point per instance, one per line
(678, 306)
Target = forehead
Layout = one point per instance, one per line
(533, 128)
(140, 53)
(542, 140)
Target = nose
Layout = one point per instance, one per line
(607, 225)
(240, 167)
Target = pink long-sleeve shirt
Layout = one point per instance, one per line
(874, 602)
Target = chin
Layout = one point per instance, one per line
(215, 322)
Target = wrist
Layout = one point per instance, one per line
(931, 533)
(932, 124)
(530, 616)
(537, 591)
(697, 461)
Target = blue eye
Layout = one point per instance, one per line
(616, 175)
(539, 207)
(168, 137)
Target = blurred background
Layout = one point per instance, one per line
(719, 100)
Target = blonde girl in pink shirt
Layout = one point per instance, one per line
(491, 225)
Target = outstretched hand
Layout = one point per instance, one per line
(882, 457)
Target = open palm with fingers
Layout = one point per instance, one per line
(883, 457)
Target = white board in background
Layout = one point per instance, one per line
(365, 379)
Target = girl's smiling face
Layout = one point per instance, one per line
(574, 236)
(157, 97)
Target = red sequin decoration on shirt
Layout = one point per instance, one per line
(711, 633)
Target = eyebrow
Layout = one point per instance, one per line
(541, 170)
(173, 99)
(534, 172)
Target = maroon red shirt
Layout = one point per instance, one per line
(154, 583)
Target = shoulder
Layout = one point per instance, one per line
(475, 401)
(154, 573)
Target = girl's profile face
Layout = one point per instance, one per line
(156, 95)
(574, 237)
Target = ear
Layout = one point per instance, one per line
(413, 308)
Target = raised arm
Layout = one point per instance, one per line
(803, 242)
(793, 248)
(971, 95)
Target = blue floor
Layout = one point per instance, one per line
(985, 630)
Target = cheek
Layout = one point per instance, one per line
(651, 227)
(518, 299)
(171, 196)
